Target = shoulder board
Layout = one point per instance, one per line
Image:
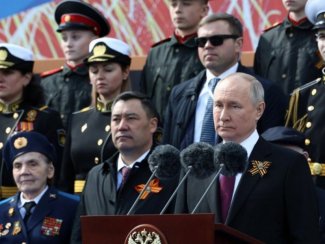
(272, 26)
(83, 110)
(51, 72)
(307, 85)
(161, 42)
(43, 108)
(68, 195)
(6, 200)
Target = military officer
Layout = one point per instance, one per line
(22, 107)
(38, 213)
(68, 89)
(306, 109)
(89, 135)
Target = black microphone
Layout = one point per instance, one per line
(164, 163)
(197, 159)
(229, 158)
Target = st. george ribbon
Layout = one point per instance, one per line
(229, 159)
(164, 163)
(197, 158)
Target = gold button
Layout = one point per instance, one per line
(313, 92)
(317, 168)
(96, 160)
(284, 76)
(311, 108)
(307, 142)
(107, 128)
(1, 145)
(15, 116)
(99, 142)
(308, 124)
(8, 129)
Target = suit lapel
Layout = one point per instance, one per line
(248, 181)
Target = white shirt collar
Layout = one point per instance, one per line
(121, 164)
(22, 200)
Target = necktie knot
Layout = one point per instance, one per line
(212, 84)
(28, 207)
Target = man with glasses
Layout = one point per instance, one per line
(220, 41)
(306, 109)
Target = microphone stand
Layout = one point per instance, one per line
(189, 168)
(208, 188)
(143, 190)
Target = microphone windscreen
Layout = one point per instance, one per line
(167, 159)
(199, 155)
(232, 155)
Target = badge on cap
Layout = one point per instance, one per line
(20, 142)
(3, 55)
(99, 50)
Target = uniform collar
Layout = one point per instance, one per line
(10, 108)
(103, 106)
(80, 69)
(302, 24)
(190, 42)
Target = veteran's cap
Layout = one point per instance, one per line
(108, 49)
(16, 57)
(315, 12)
(285, 136)
(76, 14)
(25, 142)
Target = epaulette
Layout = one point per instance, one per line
(43, 108)
(272, 26)
(83, 110)
(6, 200)
(161, 42)
(70, 196)
(307, 85)
(51, 72)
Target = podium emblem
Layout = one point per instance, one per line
(145, 234)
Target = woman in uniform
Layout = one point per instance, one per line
(22, 107)
(88, 139)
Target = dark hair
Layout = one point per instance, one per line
(33, 93)
(145, 102)
(236, 27)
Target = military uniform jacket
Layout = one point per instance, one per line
(168, 64)
(101, 197)
(288, 55)
(50, 222)
(88, 143)
(307, 114)
(23, 117)
(180, 116)
(67, 90)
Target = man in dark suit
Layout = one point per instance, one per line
(220, 41)
(38, 213)
(112, 187)
(274, 198)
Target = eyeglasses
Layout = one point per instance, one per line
(216, 40)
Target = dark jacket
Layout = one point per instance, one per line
(307, 114)
(287, 54)
(23, 117)
(272, 208)
(50, 222)
(67, 90)
(88, 143)
(180, 116)
(101, 197)
(168, 64)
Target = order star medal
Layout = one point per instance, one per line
(259, 167)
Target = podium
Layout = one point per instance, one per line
(164, 229)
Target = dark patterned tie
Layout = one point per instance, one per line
(28, 206)
(125, 171)
(208, 133)
(226, 190)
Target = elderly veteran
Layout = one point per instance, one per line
(38, 213)
(306, 109)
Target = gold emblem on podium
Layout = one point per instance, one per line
(145, 234)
